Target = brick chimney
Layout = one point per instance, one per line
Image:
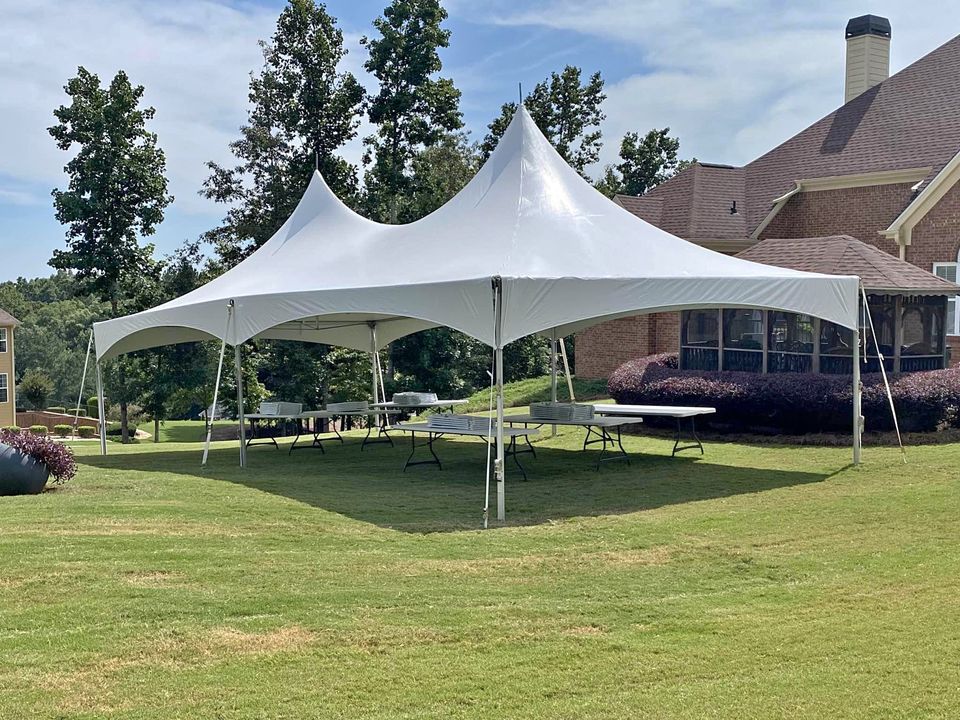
(868, 54)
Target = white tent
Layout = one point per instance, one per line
(526, 247)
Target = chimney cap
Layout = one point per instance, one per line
(868, 25)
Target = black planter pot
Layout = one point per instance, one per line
(20, 474)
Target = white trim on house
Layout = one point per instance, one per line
(901, 229)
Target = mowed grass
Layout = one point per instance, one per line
(755, 582)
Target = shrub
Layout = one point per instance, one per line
(12, 428)
(38, 430)
(114, 429)
(36, 387)
(77, 412)
(57, 409)
(56, 456)
(791, 402)
(62, 430)
(85, 431)
(93, 407)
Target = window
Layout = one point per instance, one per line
(4, 393)
(3, 340)
(743, 340)
(921, 323)
(948, 271)
(790, 342)
(699, 338)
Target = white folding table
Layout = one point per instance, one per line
(434, 433)
(679, 413)
(598, 431)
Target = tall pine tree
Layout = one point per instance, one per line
(414, 108)
(303, 110)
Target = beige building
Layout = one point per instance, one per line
(8, 402)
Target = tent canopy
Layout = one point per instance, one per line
(566, 256)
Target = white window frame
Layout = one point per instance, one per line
(5, 389)
(955, 330)
(4, 340)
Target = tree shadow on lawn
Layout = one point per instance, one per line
(369, 486)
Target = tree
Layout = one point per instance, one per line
(568, 113)
(303, 110)
(413, 109)
(644, 163)
(36, 387)
(117, 189)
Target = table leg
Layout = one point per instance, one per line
(413, 449)
(695, 445)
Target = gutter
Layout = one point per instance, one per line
(777, 207)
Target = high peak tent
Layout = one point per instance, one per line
(528, 246)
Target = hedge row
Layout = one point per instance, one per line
(795, 403)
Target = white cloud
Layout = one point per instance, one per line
(194, 57)
(732, 78)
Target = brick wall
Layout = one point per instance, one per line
(859, 212)
(603, 348)
(936, 238)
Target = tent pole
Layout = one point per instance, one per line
(238, 368)
(500, 465)
(566, 370)
(83, 381)
(857, 417)
(374, 382)
(101, 411)
(553, 374)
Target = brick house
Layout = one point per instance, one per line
(883, 168)
(8, 400)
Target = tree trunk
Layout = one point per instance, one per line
(124, 428)
(156, 430)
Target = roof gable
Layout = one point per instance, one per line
(7, 320)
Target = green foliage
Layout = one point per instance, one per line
(36, 387)
(568, 112)
(12, 428)
(62, 430)
(645, 162)
(77, 412)
(413, 108)
(348, 375)
(57, 409)
(38, 429)
(93, 407)
(56, 318)
(117, 187)
(86, 431)
(303, 109)
(438, 173)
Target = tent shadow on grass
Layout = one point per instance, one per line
(369, 486)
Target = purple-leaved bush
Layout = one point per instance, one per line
(56, 456)
(791, 402)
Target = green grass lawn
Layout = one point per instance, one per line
(524, 392)
(755, 582)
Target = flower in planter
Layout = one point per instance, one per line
(56, 456)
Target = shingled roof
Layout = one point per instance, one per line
(844, 255)
(909, 121)
(7, 320)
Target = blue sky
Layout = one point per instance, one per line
(732, 78)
